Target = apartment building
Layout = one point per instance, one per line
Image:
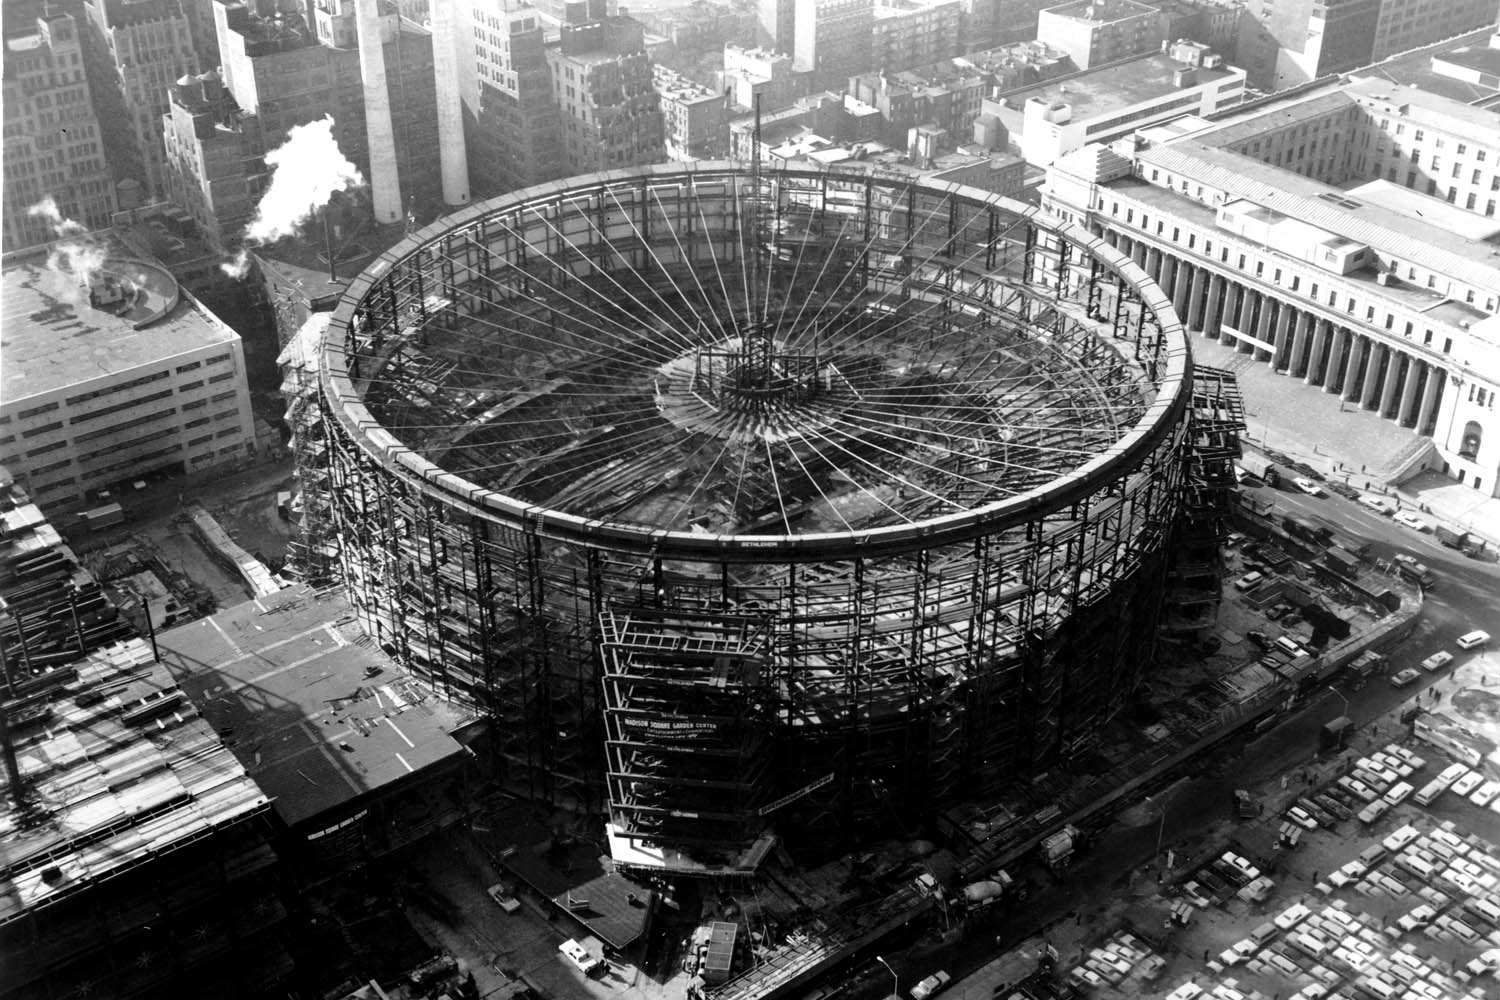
(113, 373)
(694, 117)
(601, 78)
(910, 33)
(53, 143)
(136, 50)
(1263, 238)
(946, 96)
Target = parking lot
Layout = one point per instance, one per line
(1381, 880)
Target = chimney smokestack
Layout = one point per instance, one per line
(385, 180)
(451, 151)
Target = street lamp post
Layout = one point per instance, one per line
(895, 980)
(1341, 696)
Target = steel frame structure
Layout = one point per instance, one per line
(916, 659)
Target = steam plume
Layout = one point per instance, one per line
(309, 168)
(47, 209)
(237, 268)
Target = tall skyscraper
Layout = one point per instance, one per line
(136, 49)
(53, 145)
(511, 122)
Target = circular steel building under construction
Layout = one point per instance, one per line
(745, 502)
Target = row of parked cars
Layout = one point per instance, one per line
(1121, 955)
(1367, 791)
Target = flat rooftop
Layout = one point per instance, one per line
(1100, 11)
(1122, 85)
(285, 679)
(122, 770)
(53, 337)
(1238, 126)
(1413, 296)
(1388, 231)
(1415, 68)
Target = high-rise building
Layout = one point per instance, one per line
(200, 18)
(908, 33)
(833, 39)
(758, 72)
(511, 122)
(53, 144)
(610, 112)
(135, 50)
(776, 24)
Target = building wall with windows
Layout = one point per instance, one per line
(1407, 24)
(140, 48)
(1393, 303)
(833, 39)
(610, 112)
(512, 125)
(53, 145)
(115, 374)
(694, 117)
(910, 33)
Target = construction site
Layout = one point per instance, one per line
(759, 508)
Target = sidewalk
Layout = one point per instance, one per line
(1353, 445)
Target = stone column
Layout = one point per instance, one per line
(1315, 364)
(1406, 414)
(1338, 353)
(1392, 381)
(1180, 282)
(1379, 355)
(1213, 306)
(1197, 303)
(1295, 366)
(1430, 395)
(1279, 359)
(1358, 349)
(1234, 297)
(1263, 327)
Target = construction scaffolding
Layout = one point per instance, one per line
(875, 483)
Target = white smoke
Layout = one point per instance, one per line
(47, 209)
(74, 262)
(237, 268)
(309, 168)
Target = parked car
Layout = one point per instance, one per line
(1249, 580)
(1403, 678)
(1466, 784)
(1259, 638)
(1308, 486)
(1474, 639)
(1379, 505)
(1412, 521)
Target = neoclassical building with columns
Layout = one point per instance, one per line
(1289, 230)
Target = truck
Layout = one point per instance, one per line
(1461, 540)
(98, 518)
(1058, 849)
(1341, 561)
(1315, 535)
(1260, 467)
